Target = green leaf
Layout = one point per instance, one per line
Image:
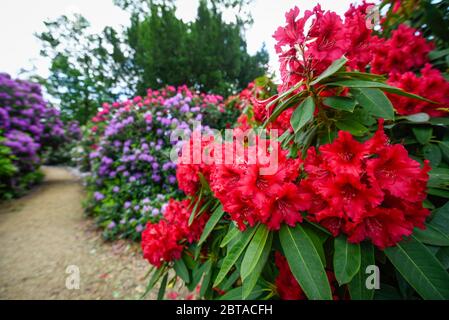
(357, 286)
(374, 84)
(197, 273)
(161, 293)
(234, 253)
(334, 67)
(305, 262)
(353, 127)
(420, 268)
(340, 103)
(157, 274)
(432, 153)
(254, 251)
(438, 177)
(211, 223)
(236, 294)
(432, 235)
(444, 147)
(346, 260)
(439, 121)
(251, 280)
(302, 114)
(443, 256)
(436, 54)
(195, 207)
(375, 102)
(181, 270)
(206, 280)
(417, 117)
(438, 192)
(318, 237)
(232, 233)
(441, 218)
(423, 134)
(225, 286)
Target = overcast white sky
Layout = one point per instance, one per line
(20, 19)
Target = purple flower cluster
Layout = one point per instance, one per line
(27, 124)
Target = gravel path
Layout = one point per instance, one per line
(44, 232)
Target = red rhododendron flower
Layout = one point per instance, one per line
(305, 54)
(192, 162)
(250, 193)
(377, 195)
(406, 50)
(431, 85)
(165, 240)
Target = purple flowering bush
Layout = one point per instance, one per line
(27, 127)
(129, 145)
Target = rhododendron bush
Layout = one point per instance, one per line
(345, 171)
(28, 129)
(129, 145)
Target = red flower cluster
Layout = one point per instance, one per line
(191, 163)
(406, 50)
(165, 240)
(287, 286)
(250, 195)
(329, 37)
(431, 85)
(308, 54)
(369, 190)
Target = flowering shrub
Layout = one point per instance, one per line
(60, 149)
(357, 178)
(28, 127)
(129, 144)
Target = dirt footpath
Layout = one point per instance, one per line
(45, 232)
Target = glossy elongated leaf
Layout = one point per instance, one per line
(375, 102)
(353, 127)
(161, 293)
(283, 105)
(157, 274)
(432, 235)
(305, 262)
(250, 281)
(318, 238)
(254, 251)
(234, 253)
(441, 218)
(181, 270)
(197, 273)
(236, 294)
(432, 153)
(346, 259)
(417, 117)
(303, 114)
(195, 207)
(357, 286)
(443, 256)
(350, 83)
(232, 233)
(207, 277)
(340, 103)
(422, 134)
(333, 68)
(444, 147)
(211, 223)
(420, 269)
(438, 192)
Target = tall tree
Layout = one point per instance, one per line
(85, 69)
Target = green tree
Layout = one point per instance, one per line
(85, 69)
